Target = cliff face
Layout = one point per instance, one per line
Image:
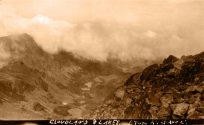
(173, 89)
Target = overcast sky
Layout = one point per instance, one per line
(146, 29)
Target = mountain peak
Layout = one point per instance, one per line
(19, 44)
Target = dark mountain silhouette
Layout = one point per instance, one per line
(173, 89)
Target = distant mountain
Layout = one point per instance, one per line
(173, 89)
(37, 85)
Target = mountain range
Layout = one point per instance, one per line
(35, 84)
(39, 85)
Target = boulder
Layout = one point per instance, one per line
(189, 69)
(149, 72)
(166, 100)
(166, 67)
(193, 98)
(192, 109)
(195, 88)
(153, 111)
(179, 109)
(196, 115)
(201, 109)
(163, 113)
(170, 59)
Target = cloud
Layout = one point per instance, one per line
(151, 34)
(96, 29)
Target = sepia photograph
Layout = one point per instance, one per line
(101, 59)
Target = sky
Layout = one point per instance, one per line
(125, 29)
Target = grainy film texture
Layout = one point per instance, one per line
(77, 59)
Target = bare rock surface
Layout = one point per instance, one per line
(170, 90)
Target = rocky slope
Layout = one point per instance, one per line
(37, 85)
(173, 89)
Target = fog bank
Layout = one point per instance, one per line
(124, 29)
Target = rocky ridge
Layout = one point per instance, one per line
(173, 89)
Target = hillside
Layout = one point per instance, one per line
(173, 89)
(37, 85)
